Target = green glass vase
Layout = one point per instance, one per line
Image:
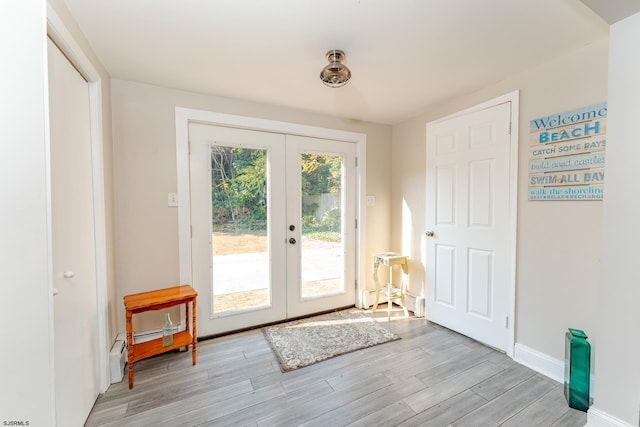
(577, 367)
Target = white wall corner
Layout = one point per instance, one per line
(598, 418)
(539, 362)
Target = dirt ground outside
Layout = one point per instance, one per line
(254, 242)
(241, 242)
(245, 242)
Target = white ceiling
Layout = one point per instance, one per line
(405, 55)
(613, 11)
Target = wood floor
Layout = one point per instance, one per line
(431, 377)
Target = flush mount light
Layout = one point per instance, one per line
(335, 74)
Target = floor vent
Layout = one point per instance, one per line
(117, 360)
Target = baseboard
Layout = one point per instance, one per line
(545, 365)
(539, 362)
(152, 334)
(414, 303)
(598, 418)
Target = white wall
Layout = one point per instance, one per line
(617, 391)
(145, 171)
(558, 262)
(26, 390)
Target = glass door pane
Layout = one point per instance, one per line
(321, 257)
(239, 224)
(238, 227)
(321, 225)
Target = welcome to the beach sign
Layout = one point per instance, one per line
(567, 155)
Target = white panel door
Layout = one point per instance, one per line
(273, 226)
(467, 243)
(73, 242)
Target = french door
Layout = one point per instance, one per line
(273, 226)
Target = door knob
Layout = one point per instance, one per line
(292, 241)
(429, 233)
(292, 227)
(69, 274)
(55, 291)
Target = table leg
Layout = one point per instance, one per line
(403, 286)
(187, 321)
(390, 296)
(194, 338)
(404, 306)
(376, 264)
(130, 347)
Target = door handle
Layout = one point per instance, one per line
(292, 241)
(69, 274)
(429, 233)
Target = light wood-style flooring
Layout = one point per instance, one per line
(431, 377)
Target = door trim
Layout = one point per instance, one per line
(62, 37)
(186, 115)
(514, 99)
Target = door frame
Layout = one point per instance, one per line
(62, 37)
(185, 115)
(514, 99)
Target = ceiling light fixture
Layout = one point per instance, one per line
(335, 74)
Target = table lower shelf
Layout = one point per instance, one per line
(153, 347)
(394, 294)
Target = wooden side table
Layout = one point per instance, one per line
(157, 300)
(392, 293)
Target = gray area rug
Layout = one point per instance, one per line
(304, 342)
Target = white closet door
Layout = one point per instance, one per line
(73, 241)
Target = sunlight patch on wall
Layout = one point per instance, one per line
(407, 229)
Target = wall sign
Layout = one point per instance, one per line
(566, 158)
